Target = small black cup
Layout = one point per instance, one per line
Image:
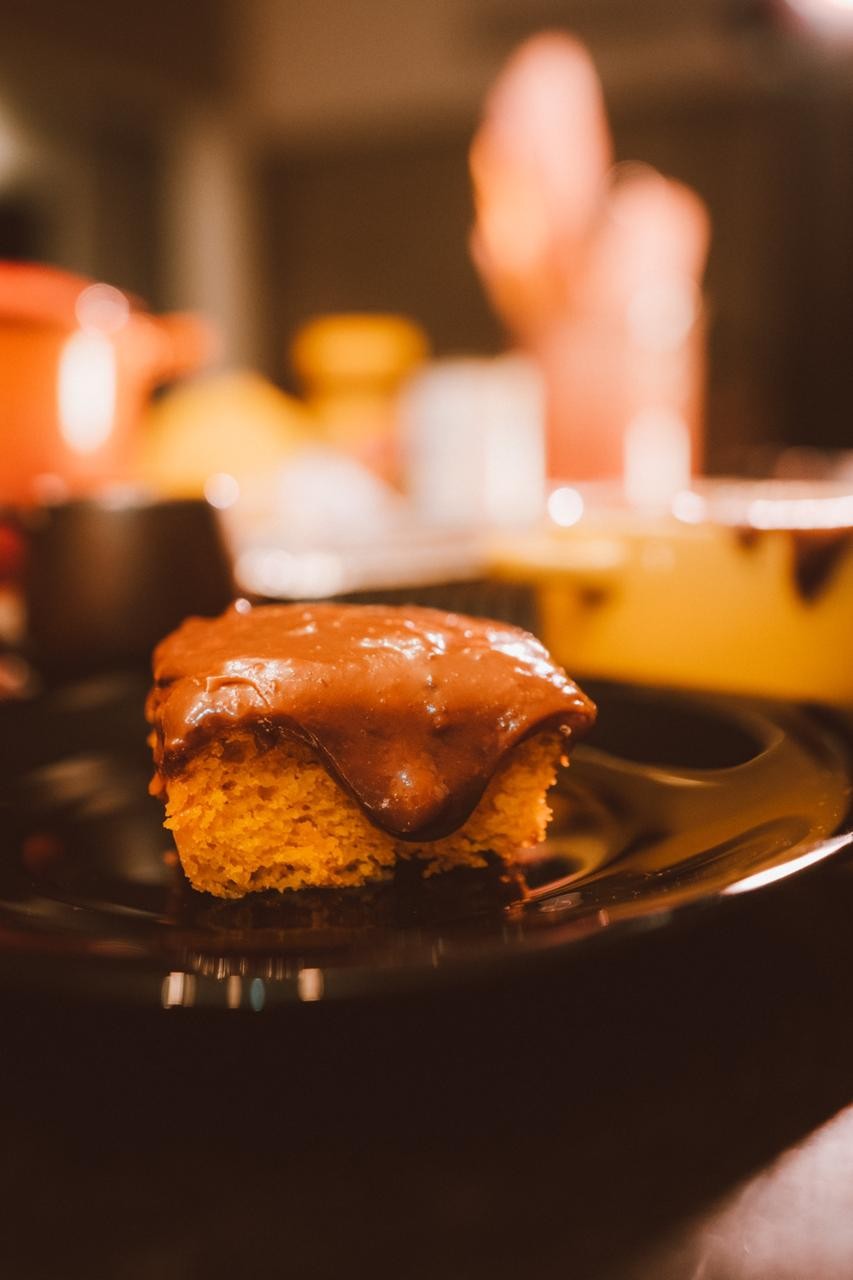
(106, 579)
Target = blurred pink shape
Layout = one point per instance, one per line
(596, 272)
(651, 232)
(630, 341)
(539, 163)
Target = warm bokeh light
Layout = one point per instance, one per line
(310, 984)
(801, 513)
(828, 14)
(769, 505)
(102, 308)
(565, 506)
(178, 990)
(86, 390)
(689, 507)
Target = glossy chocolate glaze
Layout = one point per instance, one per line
(412, 710)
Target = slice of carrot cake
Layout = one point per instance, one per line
(315, 745)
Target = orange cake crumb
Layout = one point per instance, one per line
(246, 819)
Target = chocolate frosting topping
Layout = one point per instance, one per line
(412, 710)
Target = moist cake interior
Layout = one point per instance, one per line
(247, 819)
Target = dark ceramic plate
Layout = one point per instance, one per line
(674, 801)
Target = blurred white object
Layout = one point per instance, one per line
(336, 528)
(657, 458)
(473, 442)
(414, 558)
(326, 498)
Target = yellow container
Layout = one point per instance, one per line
(759, 610)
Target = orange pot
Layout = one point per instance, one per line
(78, 361)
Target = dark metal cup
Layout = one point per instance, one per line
(106, 579)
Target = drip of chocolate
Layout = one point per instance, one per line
(412, 710)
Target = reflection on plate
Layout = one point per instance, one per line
(674, 800)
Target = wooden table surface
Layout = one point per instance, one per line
(678, 1105)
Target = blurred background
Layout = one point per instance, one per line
(262, 161)
(461, 303)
